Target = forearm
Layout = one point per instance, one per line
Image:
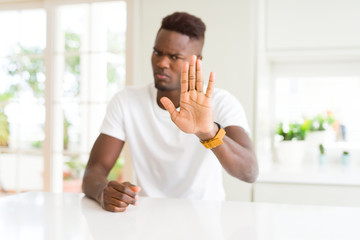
(236, 153)
(94, 181)
(237, 160)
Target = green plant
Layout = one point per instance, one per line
(291, 131)
(319, 122)
(36, 144)
(4, 130)
(322, 149)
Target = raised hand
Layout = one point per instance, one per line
(196, 113)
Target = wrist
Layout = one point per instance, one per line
(216, 140)
(100, 195)
(210, 134)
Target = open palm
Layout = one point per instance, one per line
(195, 114)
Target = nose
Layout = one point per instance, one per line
(163, 61)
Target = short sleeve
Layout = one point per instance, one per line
(113, 123)
(228, 111)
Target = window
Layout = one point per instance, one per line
(22, 99)
(87, 56)
(326, 95)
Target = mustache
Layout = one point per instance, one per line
(161, 72)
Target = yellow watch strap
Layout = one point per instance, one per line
(215, 141)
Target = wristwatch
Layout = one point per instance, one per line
(215, 141)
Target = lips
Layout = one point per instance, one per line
(161, 76)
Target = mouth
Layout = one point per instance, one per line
(161, 76)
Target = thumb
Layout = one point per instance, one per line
(169, 106)
(135, 188)
(132, 186)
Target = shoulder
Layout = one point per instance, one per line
(228, 110)
(135, 89)
(222, 96)
(132, 92)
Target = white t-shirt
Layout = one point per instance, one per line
(167, 161)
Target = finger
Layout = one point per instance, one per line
(192, 73)
(210, 87)
(170, 107)
(113, 208)
(184, 78)
(199, 80)
(122, 188)
(109, 200)
(122, 197)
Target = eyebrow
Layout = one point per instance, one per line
(171, 54)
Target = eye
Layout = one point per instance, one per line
(155, 52)
(174, 57)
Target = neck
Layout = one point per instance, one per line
(174, 96)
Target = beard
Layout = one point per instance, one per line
(161, 86)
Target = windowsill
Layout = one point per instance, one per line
(330, 174)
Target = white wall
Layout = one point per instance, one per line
(309, 24)
(229, 49)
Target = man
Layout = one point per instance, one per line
(177, 152)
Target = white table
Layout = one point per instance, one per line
(38, 215)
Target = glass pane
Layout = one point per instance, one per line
(26, 125)
(71, 82)
(89, 70)
(33, 26)
(22, 88)
(98, 78)
(110, 19)
(9, 27)
(73, 28)
(24, 101)
(115, 75)
(72, 126)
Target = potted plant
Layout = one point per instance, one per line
(322, 156)
(319, 125)
(319, 131)
(290, 149)
(345, 158)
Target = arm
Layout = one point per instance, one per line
(112, 196)
(236, 154)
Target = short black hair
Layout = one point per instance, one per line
(186, 24)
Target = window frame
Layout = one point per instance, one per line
(53, 166)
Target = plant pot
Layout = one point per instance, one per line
(345, 159)
(313, 140)
(290, 152)
(322, 159)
